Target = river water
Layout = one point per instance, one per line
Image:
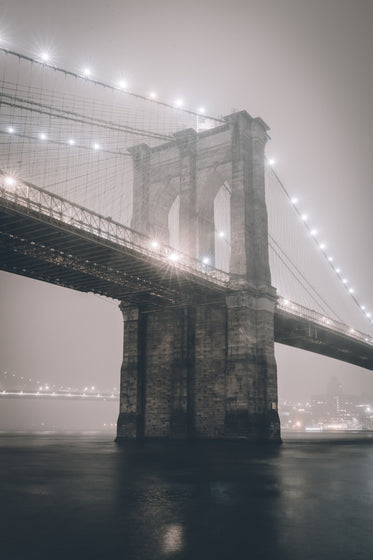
(85, 497)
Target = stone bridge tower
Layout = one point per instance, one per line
(205, 369)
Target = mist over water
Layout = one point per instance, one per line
(33, 415)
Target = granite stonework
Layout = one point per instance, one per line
(206, 369)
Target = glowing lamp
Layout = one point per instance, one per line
(10, 181)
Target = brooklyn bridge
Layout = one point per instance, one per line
(179, 217)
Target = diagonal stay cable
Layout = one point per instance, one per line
(301, 276)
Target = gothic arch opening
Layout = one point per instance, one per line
(213, 209)
(222, 227)
(163, 211)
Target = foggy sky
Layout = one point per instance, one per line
(303, 66)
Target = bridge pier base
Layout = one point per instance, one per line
(203, 371)
(132, 376)
(251, 372)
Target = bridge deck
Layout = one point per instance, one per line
(49, 248)
(301, 332)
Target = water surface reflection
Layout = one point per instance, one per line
(85, 497)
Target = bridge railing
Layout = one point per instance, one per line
(300, 311)
(51, 205)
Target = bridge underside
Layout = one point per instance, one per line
(50, 250)
(299, 332)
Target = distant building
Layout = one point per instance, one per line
(330, 411)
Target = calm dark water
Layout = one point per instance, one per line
(84, 497)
